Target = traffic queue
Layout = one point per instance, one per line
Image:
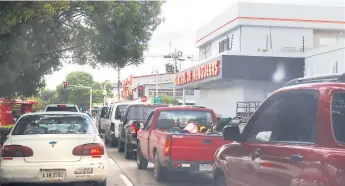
(294, 138)
(173, 138)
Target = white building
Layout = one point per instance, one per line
(255, 48)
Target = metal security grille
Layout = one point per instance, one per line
(245, 109)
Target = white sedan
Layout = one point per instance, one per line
(54, 147)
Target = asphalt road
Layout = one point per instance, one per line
(145, 177)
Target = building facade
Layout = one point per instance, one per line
(149, 83)
(257, 47)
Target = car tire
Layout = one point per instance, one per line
(219, 180)
(141, 161)
(114, 142)
(160, 173)
(103, 183)
(128, 154)
(120, 146)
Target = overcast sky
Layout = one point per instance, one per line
(183, 18)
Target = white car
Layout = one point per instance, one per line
(61, 108)
(54, 147)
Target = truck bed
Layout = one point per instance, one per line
(194, 147)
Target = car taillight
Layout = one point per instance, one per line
(95, 150)
(167, 147)
(133, 128)
(9, 152)
(61, 105)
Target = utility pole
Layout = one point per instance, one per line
(90, 110)
(175, 65)
(157, 80)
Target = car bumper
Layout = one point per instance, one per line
(198, 167)
(32, 173)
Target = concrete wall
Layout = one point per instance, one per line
(271, 15)
(224, 100)
(325, 60)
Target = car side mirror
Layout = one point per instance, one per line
(119, 116)
(231, 133)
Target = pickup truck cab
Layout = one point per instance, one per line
(134, 114)
(162, 142)
(112, 123)
(295, 138)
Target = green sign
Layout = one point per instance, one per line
(158, 100)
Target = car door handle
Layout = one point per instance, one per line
(255, 154)
(296, 158)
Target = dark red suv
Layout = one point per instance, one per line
(295, 138)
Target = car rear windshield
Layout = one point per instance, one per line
(181, 118)
(61, 109)
(140, 112)
(53, 124)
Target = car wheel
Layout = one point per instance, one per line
(106, 141)
(219, 180)
(128, 154)
(141, 161)
(114, 142)
(120, 145)
(103, 183)
(160, 173)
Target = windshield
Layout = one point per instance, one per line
(120, 109)
(183, 117)
(140, 112)
(61, 109)
(53, 124)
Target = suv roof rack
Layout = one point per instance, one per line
(317, 79)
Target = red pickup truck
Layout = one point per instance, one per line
(295, 138)
(161, 141)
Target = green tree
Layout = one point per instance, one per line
(169, 100)
(49, 96)
(35, 36)
(80, 96)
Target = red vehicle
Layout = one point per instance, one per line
(295, 138)
(163, 141)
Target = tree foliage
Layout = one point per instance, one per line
(81, 96)
(35, 37)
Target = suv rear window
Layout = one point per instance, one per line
(61, 109)
(140, 112)
(338, 116)
(53, 124)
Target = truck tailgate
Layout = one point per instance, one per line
(194, 147)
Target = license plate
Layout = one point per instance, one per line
(205, 167)
(53, 175)
(83, 171)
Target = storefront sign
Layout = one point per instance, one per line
(200, 73)
(126, 92)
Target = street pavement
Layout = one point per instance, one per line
(124, 172)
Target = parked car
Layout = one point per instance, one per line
(134, 114)
(112, 123)
(54, 147)
(61, 108)
(164, 141)
(296, 137)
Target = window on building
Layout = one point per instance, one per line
(189, 92)
(205, 51)
(224, 45)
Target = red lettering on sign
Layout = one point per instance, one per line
(202, 72)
